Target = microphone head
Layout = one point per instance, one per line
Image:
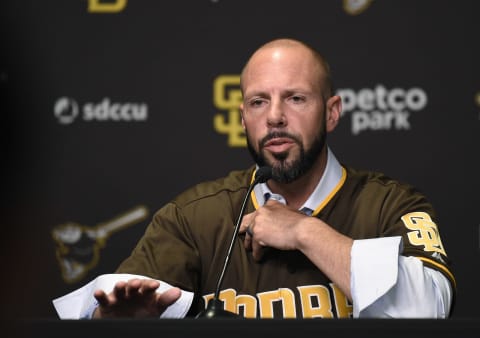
(263, 174)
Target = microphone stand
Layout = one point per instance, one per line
(215, 308)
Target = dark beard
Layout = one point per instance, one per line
(288, 171)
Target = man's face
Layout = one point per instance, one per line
(283, 111)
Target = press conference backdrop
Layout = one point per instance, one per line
(112, 108)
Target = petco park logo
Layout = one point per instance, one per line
(67, 111)
(380, 108)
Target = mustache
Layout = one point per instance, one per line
(278, 134)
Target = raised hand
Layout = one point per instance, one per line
(273, 225)
(136, 298)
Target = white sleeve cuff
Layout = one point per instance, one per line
(374, 269)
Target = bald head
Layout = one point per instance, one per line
(273, 49)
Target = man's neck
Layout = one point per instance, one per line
(298, 191)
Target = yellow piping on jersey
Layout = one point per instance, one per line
(332, 193)
(321, 205)
(252, 194)
(441, 267)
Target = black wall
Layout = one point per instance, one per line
(108, 110)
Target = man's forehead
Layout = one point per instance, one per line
(277, 68)
(284, 53)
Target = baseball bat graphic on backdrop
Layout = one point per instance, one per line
(78, 246)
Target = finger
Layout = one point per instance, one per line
(273, 201)
(250, 229)
(101, 298)
(258, 250)
(247, 242)
(119, 291)
(148, 286)
(168, 297)
(246, 221)
(133, 285)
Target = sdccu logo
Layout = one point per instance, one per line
(381, 108)
(67, 110)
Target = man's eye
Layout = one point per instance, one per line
(256, 103)
(297, 99)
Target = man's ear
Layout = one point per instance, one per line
(241, 115)
(333, 111)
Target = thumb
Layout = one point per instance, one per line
(168, 297)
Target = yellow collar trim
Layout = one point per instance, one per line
(320, 206)
(332, 193)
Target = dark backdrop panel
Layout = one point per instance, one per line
(62, 63)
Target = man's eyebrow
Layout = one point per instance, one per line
(252, 93)
(284, 91)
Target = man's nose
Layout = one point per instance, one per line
(276, 115)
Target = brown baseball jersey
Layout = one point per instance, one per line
(186, 242)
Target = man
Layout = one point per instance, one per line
(318, 240)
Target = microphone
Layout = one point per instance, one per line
(214, 307)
